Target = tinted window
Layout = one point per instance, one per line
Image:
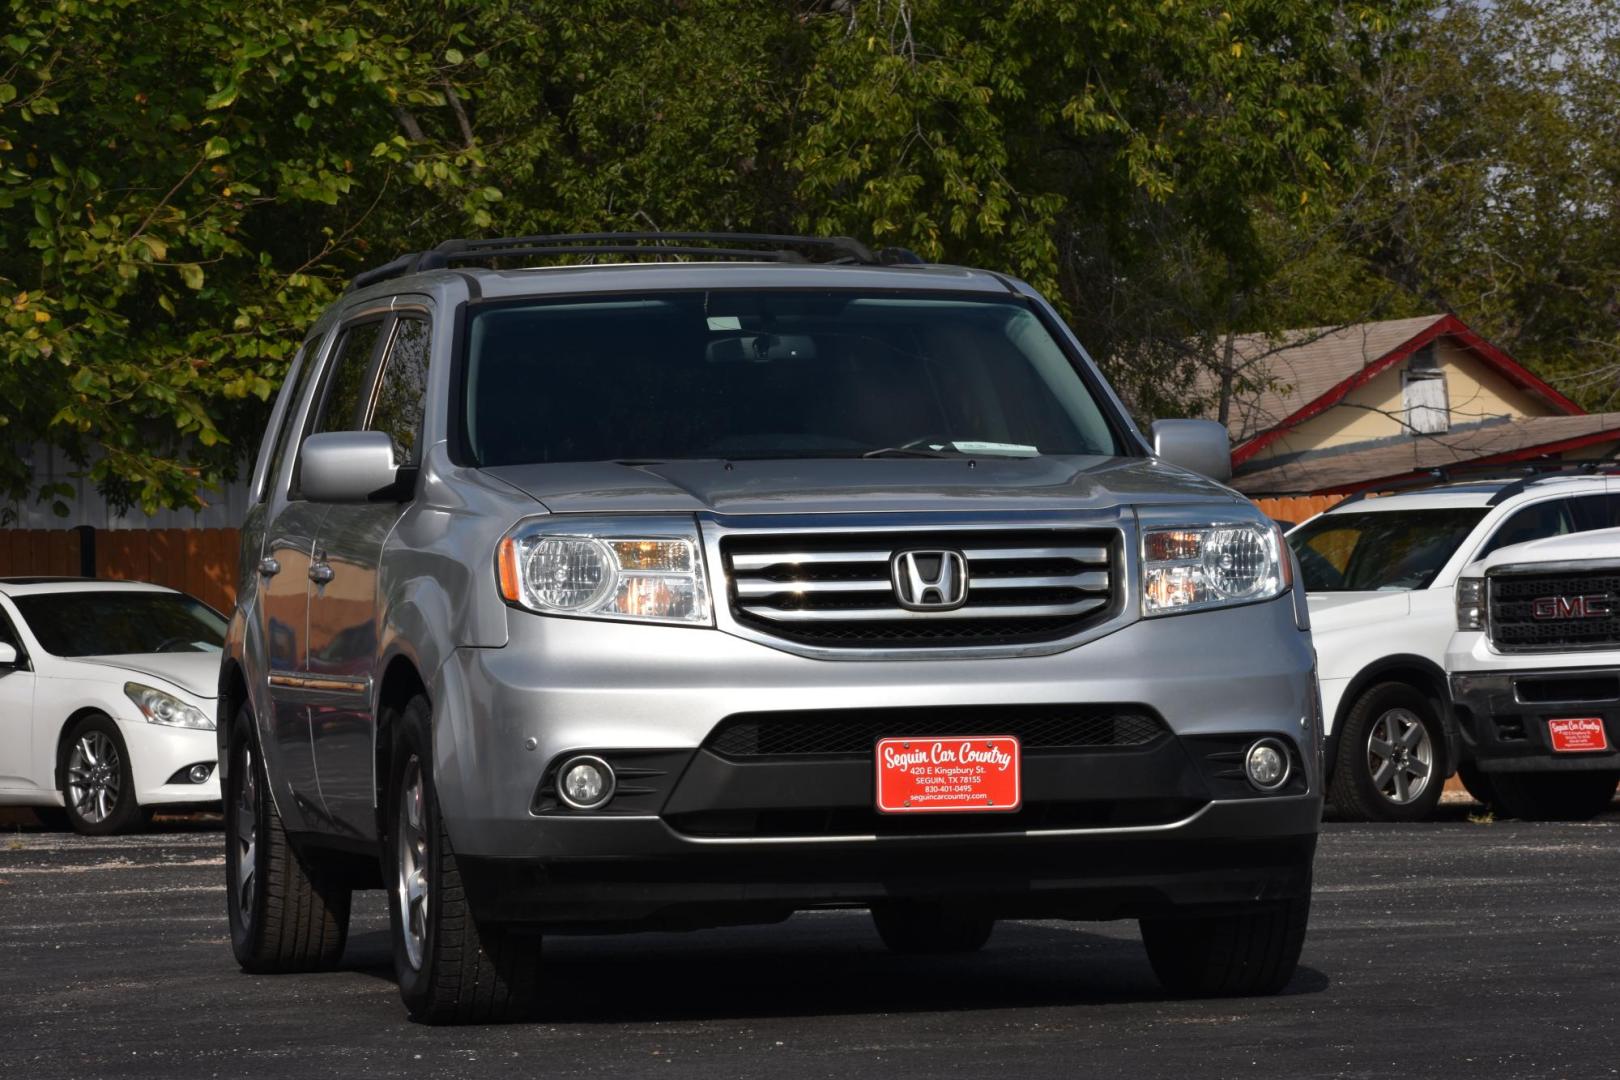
(403, 389)
(346, 383)
(120, 623)
(1535, 522)
(735, 374)
(8, 636)
(1380, 550)
(306, 364)
(1596, 512)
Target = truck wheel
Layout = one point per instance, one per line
(1254, 952)
(917, 927)
(1390, 757)
(283, 917)
(1478, 784)
(451, 968)
(1557, 796)
(98, 788)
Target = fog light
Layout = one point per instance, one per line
(200, 773)
(1267, 764)
(585, 782)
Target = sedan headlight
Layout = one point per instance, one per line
(161, 708)
(1193, 568)
(1470, 603)
(642, 569)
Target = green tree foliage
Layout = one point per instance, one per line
(184, 186)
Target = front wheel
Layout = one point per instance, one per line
(1390, 761)
(98, 787)
(1250, 953)
(916, 927)
(451, 968)
(283, 917)
(1555, 796)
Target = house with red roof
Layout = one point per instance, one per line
(1336, 410)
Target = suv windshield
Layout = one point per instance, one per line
(771, 374)
(120, 623)
(1380, 550)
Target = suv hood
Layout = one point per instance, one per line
(1344, 610)
(196, 672)
(1575, 547)
(876, 485)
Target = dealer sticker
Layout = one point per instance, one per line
(1577, 734)
(952, 774)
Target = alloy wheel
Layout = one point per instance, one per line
(95, 777)
(1400, 756)
(247, 835)
(411, 888)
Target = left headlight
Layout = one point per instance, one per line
(641, 569)
(161, 708)
(1194, 568)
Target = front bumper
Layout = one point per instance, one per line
(1502, 716)
(158, 752)
(1110, 830)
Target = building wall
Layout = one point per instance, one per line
(1374, 411)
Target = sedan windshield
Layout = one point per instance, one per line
(759, 374)
(1380, 550)
(116, 623)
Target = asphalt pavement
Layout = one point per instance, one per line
(1457, 948)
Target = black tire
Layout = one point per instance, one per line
(106, 788)
(1241, 955)
(919, 927)
(466, 972)
(1478, 784)
(283, 917)
(1354, 792)
(53, 818)
(1555, 796)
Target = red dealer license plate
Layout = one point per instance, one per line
(951, 774)
(1577, 734)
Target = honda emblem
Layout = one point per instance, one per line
(929, 580)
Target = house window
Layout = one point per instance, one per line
(1423, 392)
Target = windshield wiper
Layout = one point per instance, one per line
(912, 451)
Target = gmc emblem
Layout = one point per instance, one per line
(1595, 606)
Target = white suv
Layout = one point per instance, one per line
(1535, 673)
(1381, 576)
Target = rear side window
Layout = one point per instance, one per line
(1596, 512)
(1538, 521)
(346, 379)
(403, 389)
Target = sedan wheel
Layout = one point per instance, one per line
(98, 789)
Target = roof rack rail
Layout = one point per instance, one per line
(773, 247)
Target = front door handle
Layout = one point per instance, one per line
(320, 573)
(269, 567)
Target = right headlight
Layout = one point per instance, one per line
(1194, 568)
(1470, 603)
(632, 569)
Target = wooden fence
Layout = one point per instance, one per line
(1296, 509)
(201, 562)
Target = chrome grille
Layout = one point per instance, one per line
(838, 590)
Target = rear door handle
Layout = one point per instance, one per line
(320, 573)
(269, 567)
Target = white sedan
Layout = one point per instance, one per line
(107, 693)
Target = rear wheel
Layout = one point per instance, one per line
(1389, 766)
(1555, 796)
(452, 969)
(283, 917)
(1250, 953)
(917, 926)
(98, 788)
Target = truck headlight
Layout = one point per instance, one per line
(1470, 603)
(1193, 568)
(641, 569)
(161, 708)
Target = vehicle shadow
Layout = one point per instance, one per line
(823, 965)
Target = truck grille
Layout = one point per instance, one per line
(1568, 610)
(839, 591)
(854, 732)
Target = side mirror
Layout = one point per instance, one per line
(1199, 445)
(348, 466)
(8, 655)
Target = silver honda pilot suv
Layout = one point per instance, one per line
(750, 575)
